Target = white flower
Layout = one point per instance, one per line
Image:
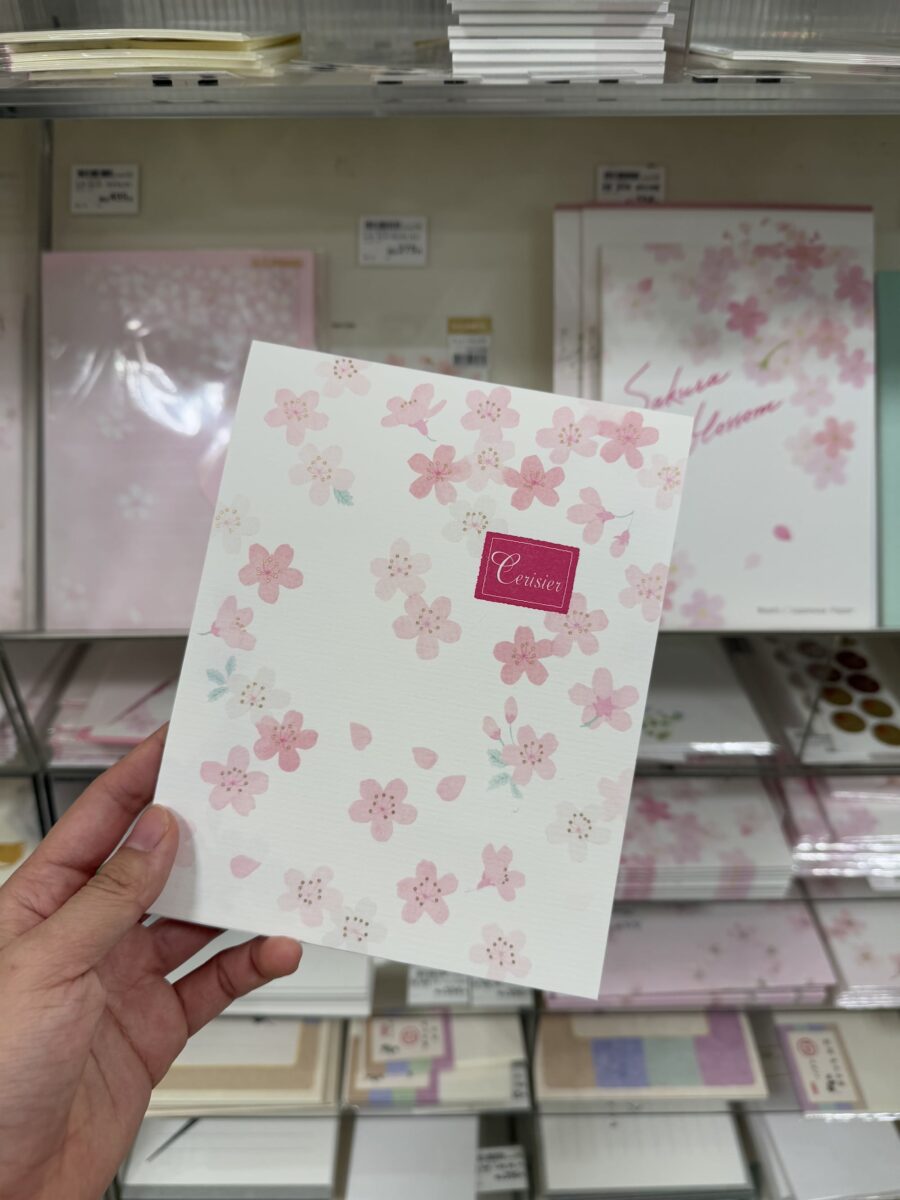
(471, 520)
(233, 522)
(576, 828)
(135, 503)
(667, 477)
(255, 697)
(354, 928)
(487, 461)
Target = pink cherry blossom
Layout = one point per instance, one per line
(626, 438)
(309, 894)
(232, 783)
(424, 893)
(296, 414)
(704, 611)
(428, 624)
(603, 704)
(400, 571)
(578, 627)
(577, 829)
(487, 461)
(646, 588)
(807, 255)
(592, 514)
(270, 571)
(794, 283)
(835, 436)
(619, 544)
(652, 810)
(231, 625)
(523, 657)
(531, 755)
(855, 286)
(343, 374)
(667, 478)
(497, 872)
(491, 728)
(416, 412)
(828, 337)
(855, 368)
(703, 342)
(812, 394)
(501, 953)
(381, 807)
(489, 413)
(440, 473)
(746, 317)
(321, 470)
(616, 794)
(284, 738)
(532, 482)
(568, 435)
(826, 471)
(510, 710)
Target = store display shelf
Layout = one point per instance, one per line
(99, 635)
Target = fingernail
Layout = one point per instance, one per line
(150, 829)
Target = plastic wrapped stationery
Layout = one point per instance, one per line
(410, 707)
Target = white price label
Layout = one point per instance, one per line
(393, 241)
(427, 987)
(486, 993)
(519, 1091)
(98, 188)
(502, 1169)
(469, 345)
(631, 185)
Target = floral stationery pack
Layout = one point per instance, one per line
(412, 695)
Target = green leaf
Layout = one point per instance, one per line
(516, 791)
(496, 757)
(215, 676)
(499, 780)
(230, 665)
(342, 497)
(217, 693)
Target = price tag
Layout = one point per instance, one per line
(427, 987)
(99, 188)
(502, 1169)
(485, 993)
(519, 1091)
(393, 241)
(469, 344)
(631, 185)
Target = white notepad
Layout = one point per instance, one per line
(408, 1158)
(834, 1160)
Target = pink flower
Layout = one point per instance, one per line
(309, 895)
(667, 478)
(619, 543)
(400, 571)
(424, 893)
(532, 755)
(567, 435)
(489, 413)
(510, 710)
(577, 829)
(415, 411)
(855, 368)
(746, 318)
(825, 470)
(284, 738)
(440, 473)
(532, 482)
(835, 436)
(590, 513)
(270, 571)
(616, 794)
(232, 783)
(497, 872)
(854, 285)
(812, 394)
(602, 704)
(577, 627)
(522, 656)
(231, 625)
(382, 806)
(626, 437)
(807, 255)
(491, 728)
(501, 953)
(321, 470)
(296, 414)
(653, 810)
(828, 337)
(647, 589)
(343, 374)
(428, 625)
(704, 611)
(487, 461)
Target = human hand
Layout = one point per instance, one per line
(88, 1023)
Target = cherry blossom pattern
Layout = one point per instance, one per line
(382, 807)
(666, 477)
(522, 656)
(498, 873)
(428, 624)
(295, 414)
(835, 437)
(284, 738)
(416, 411)
(578, 627)
(231, 624)
(647, 589)
(490, 413)
(501, 953)
(703, 611)
(812, 394)
(360, 736)
(532, 482)
(626, 438)
(343, 375)
(270, 571)
(232, 522)
(424, 757)
(577, 829)
(424, 893)
(531, 755)
(593, 514)
(401, 571)
(822, 453)
(221, 679)
(450, 787)
(603, 703)
(309, 894)
(619, 544)
(855, 368)
(242, 866)
(232, 783)
(746, 317)
(439, 473)
(322, 472)
(568, 435)
(487, 461)
(615, 794)
(255, 696)
(854, 286)
(471, 521)
(355, 928)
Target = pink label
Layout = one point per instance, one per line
(525, 572)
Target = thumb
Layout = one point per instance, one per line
(87, 927)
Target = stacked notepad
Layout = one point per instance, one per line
(846, 826)
(863, 938)
(815, 1160)
(406, 1159)
(578, 39)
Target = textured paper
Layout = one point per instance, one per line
(362, 753)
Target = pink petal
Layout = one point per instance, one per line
(451, 786)
(242, 866)
(360, 735)
(424, 758)
(782, 533)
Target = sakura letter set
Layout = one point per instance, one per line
(411, 700)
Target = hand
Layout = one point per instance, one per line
(88, 1023)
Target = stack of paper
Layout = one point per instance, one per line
(663, 1156)
(13, 355)
(451, 1062)
(20, 828)
(846, 826)
(815, 1160)
(403, 1158)
(703, 839)
(625, 1062)
(244, 1066)
(580, 39)
(268, 1158)
(863, 938)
